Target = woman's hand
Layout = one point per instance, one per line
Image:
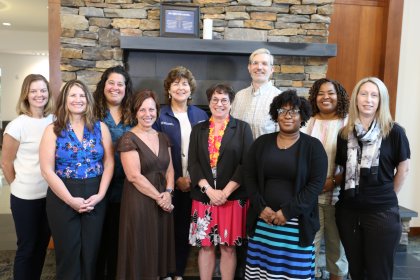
(329, 185)
(92, 201)
(78, 204)
(164, 201)
(279, 218)
(217, 197)
(183, 184)
(268, 215)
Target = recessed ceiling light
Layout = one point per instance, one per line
(7, 24)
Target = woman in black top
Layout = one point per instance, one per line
(219, 202)
(284, 173)
(373, 153)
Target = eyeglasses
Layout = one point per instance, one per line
(292, 112)
(224, 101)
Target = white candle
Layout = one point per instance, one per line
(208, 28)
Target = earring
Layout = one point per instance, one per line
(189, 97)
(169, 96)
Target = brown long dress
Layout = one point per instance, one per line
(146, 241)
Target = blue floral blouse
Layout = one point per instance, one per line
(79, 160)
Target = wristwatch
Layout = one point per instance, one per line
(204, 188)
(170, 191)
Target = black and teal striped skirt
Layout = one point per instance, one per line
(274, 253)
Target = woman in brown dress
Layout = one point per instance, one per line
(146, 241)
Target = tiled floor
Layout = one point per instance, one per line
(407, 264)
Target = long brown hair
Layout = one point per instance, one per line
(62, 112)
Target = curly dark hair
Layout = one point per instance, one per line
(101, 106)
(176, 74)
(220, 88)
(290, 97)
(342, 97)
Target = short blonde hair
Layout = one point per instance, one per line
(383, 115)
(23, 107)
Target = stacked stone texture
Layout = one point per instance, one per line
(91, 30)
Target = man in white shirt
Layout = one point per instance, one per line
(252, 104)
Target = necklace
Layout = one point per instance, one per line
(284, 146)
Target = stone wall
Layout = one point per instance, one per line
(91, 30)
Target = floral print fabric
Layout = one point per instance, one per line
(79, 159)
(215, 141)
(214, 225)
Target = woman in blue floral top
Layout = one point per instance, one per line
(77, 161)
(112, 106)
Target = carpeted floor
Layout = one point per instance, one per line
(407, 264)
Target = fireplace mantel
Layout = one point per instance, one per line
(148, 60)
(182, 45)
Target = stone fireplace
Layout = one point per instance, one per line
(97, 34)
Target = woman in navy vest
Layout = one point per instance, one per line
(176, 120)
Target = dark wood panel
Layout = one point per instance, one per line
(394, 16)
(361, 2)
(368, 40)
(357, 31)
(344, 67)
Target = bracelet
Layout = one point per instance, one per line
(170, 191)
(204, 188)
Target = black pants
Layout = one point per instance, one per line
(76, 236)
(33, 235)
(182, 219)
(106, 267)
(370, 240)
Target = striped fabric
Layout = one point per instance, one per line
(274, 253)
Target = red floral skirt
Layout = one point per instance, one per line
(212, 225)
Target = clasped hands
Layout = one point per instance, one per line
(217, 197)
(82, 205)
(273, 218)
(164, 200)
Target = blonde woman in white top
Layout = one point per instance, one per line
(20, 164)
(330, 103)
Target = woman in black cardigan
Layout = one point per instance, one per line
(216, 152)
(284, 173)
